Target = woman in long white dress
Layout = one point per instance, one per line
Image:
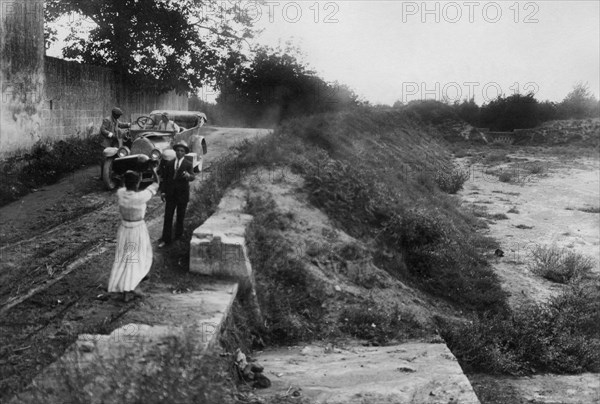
(133, 258)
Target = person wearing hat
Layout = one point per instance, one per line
(133, 257)
(167, 124)
(111, 131)
(175, 190)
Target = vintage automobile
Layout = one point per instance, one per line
(145, 146)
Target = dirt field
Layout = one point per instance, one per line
(550, 200)
(57, 247)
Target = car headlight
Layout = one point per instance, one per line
(155, 154)
(123, 151)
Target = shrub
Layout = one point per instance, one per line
(369, 321)
(559, 265)
(495, 157)
(561, 336)
(537, 168)
(45, 164)
(451, 182)
(505, 176)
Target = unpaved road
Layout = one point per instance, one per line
(56, 251)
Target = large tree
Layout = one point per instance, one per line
(158, 44)
(275, 84)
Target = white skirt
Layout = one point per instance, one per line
(133, 258)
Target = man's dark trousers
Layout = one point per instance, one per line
(177, 195)
(171, 206)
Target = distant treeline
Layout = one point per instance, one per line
(274, 85)
(510, 112)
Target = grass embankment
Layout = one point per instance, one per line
(381, 179)
(377, 175)
(45, 164)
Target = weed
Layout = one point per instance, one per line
(513, 210)
(559, 264)
(560, 336)
(536, 168)
(169, 371)
(495, 157)
(451, 182)
(499, 216)
(45, 164)
(505, 176)
(369, 321)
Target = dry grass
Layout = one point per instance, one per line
(559, 264)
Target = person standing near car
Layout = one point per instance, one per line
(175, 190)
(111, 132)
(133, 257)
(167, 124)
(111, 129)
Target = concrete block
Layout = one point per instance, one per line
(218, 247)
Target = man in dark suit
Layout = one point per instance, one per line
(175, 189)
(112, 135)
(111, 129)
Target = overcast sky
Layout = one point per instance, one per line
(403, 50)
(396, 50)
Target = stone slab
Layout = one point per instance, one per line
(195, 318)
(416, 373)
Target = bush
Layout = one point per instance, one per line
(45, 164)
(451, 182)
(559, 264)
(369, 321)
(505, 176)
(562, 336)
(495, 157)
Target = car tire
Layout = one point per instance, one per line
(107, 174)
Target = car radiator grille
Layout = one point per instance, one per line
(142, 146)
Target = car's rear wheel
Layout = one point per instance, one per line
(107, 174)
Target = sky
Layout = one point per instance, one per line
(395, 50)
(391, 51)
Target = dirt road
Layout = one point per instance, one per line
(56, 249)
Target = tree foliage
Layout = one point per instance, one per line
(275, 85)
(468, 110)
(512, 112)
(579, 103)
(159, 45)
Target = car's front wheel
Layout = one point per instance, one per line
(107, 174)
